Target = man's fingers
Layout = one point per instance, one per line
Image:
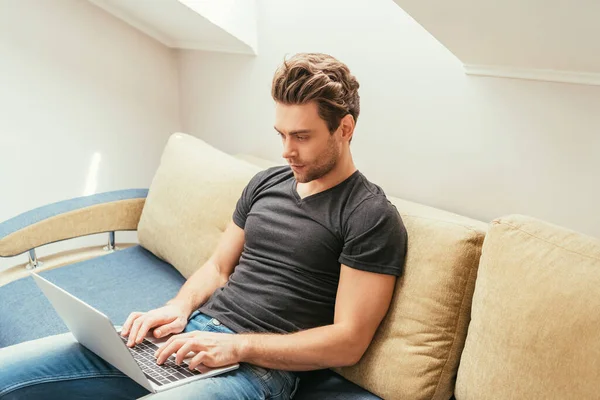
(170, 340)
(173, 327)
(198, 359)
(134, 330)
(183, 352)
(138, 324)
(170, 349)
(167, 345)
(127, 325)
(149, 322)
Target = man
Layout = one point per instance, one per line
(302, 276)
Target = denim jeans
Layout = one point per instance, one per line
(58, 367)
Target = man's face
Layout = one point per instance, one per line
(308, 146)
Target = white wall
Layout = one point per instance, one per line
(481, 147)
(74, 82)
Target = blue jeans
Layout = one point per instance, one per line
(58, 367)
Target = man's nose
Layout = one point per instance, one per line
(288, 150)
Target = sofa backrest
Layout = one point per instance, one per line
(416, 350)
(190, 201)
(536, 315)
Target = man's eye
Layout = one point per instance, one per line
(302, 138)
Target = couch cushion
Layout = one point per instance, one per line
(536, 315)
(415, 352)
(190, 201)
(116, 284)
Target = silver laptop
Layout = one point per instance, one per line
(95, 331)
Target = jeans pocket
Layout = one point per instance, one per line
(260, 372)
(283, 384)
(295, 386)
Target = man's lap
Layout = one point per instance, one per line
(54, 366)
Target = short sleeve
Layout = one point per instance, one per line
(244, 203)
(375, 238)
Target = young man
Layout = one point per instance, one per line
(304, 273)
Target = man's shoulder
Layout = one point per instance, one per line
(275, 173)
(270, 177)
(369, 186)
(278, 170)
(368, 202)
(365, 193)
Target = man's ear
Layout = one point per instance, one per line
(347, 127)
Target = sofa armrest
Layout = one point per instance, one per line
(103, 212)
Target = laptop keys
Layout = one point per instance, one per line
(143, 354)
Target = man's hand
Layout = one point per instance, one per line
(168, 319)
(212, 349)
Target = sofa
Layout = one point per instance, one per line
(503, 310)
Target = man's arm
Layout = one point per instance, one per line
(362, 301)
(172, 318)
(214, 273)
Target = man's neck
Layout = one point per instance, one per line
(343, 169)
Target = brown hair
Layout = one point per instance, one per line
(318, 77)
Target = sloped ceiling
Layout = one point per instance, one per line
(191, 24)
(556, 40)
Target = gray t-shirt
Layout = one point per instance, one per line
(288, 273)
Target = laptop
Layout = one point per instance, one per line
(95, 331)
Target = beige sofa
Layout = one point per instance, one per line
(506, 310)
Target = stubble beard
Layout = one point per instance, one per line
(325, 162)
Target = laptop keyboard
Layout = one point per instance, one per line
(168, 372)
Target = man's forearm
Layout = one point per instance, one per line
(317, 348)
(199, 287)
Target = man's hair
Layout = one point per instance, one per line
(321, 78)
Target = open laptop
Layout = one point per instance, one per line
(95, 331)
